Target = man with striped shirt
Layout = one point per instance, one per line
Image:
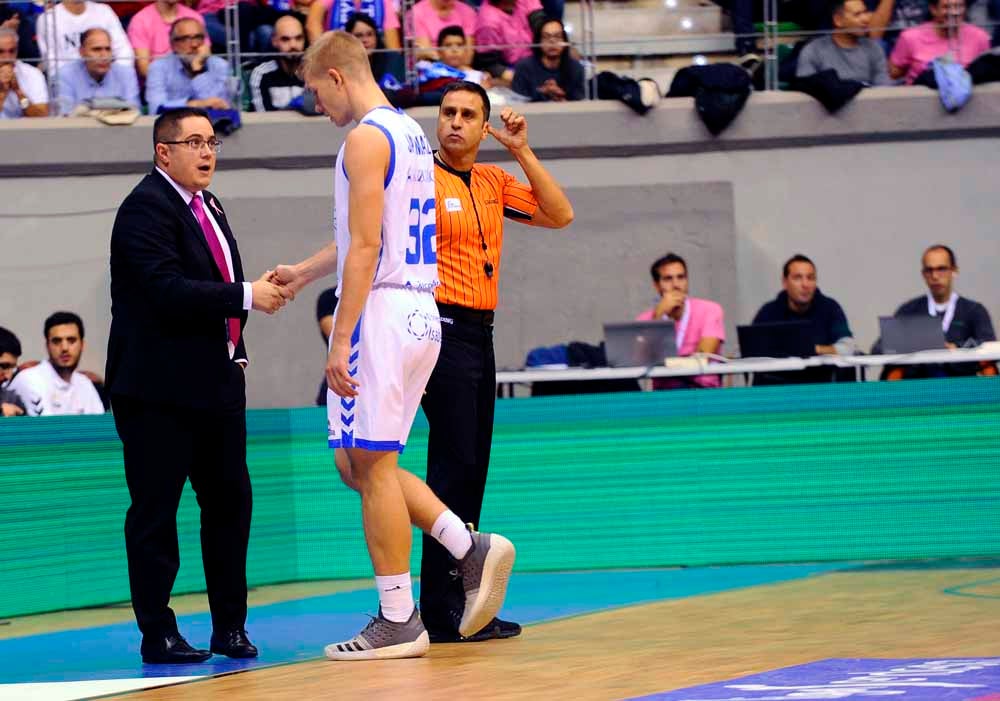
(472, 201)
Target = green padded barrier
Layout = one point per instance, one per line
(769, 474)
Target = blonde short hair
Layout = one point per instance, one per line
(338, 50)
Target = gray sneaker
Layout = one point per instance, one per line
(485, 571)
(383, 639)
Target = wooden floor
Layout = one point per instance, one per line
(658, 647)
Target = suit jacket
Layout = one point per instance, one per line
(169, 303)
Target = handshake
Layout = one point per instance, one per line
(275, 288)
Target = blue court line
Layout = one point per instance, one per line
(295, 631)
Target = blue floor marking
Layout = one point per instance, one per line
(295, 631)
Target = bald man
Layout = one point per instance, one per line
(275, 84)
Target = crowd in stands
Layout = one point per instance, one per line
(165, 53)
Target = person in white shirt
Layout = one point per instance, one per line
(61, 42)
(23, 92)
(55, 387)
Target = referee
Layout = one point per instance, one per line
(472, 201)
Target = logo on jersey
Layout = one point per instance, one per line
(424, 326)
(452, 204)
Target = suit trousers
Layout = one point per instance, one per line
(459, 405)
(163, 447)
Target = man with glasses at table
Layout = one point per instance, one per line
(175, 373)
(965, 323)
(187, 77)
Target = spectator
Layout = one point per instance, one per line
(255, 21)
(326, 305)
(325, 15)
(96, 75)
(801, 300)
(149, 31)
(21, 18)
(275, 84)
(453, 49)
(847, 51)
(59, 32)
(507, 24)
(387, 66)
(550, 73)
(10, 350)
(55, 387)
(700, 323)
(965, 323)
(23, 92)
(947, 31)
(188, 76)
(889, 17)
(431, 16)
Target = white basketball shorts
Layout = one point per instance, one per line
(393, 351)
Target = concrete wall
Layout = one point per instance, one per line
(862, 193)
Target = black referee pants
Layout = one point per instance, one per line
(459, 404)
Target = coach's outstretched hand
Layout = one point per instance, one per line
(268, 296)
(514, 135)
(287, 276)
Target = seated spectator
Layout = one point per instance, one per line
(326, 15)
(254, 19)
(55, 387)
(69, 20)
(23, 91)
(21, 18)
(275, 84)
(431, 16)
(326, 305)
(848, 51)
(700, 323)
(801, 300)
(187, 76)
(96, 75)
(387, 66)
(149, 31)
(507, 24)
(550, 73)
(10, 350)
(965, 323)
(433, 76)
(946, 32)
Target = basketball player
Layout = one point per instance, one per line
(385, 342)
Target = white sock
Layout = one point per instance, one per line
(452, 534)
(395, 594)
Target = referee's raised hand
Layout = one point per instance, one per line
(514, 134)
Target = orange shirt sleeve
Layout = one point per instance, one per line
(519, 201)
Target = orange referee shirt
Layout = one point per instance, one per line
(470, 208)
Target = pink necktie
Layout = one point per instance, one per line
(220, 258)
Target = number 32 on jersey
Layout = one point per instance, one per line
(422, 246)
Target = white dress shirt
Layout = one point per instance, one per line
(247, 287)
(46, 393)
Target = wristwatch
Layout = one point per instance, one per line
(25, 103)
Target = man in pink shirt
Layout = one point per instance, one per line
(431, 16)
(149, 31)
(699, 322)
(946, 32)
(505, 23)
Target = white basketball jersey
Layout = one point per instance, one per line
(408, 258)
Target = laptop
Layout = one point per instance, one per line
(639, 343)
(909, 334)
(778, 339)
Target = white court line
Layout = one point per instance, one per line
(72, 691)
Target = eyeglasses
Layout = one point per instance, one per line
(941, 270)
(196, 144)
(188, 37)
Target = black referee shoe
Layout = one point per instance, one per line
(494, 630)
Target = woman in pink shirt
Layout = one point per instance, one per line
(149, 31)
(431, 16)
(505, 24)
(700, 323)
(946, 32)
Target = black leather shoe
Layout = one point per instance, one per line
(170, 649)
(233, 643)
(493, 630)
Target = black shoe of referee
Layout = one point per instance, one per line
(494, 630)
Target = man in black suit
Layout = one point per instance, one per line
(175, 373)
